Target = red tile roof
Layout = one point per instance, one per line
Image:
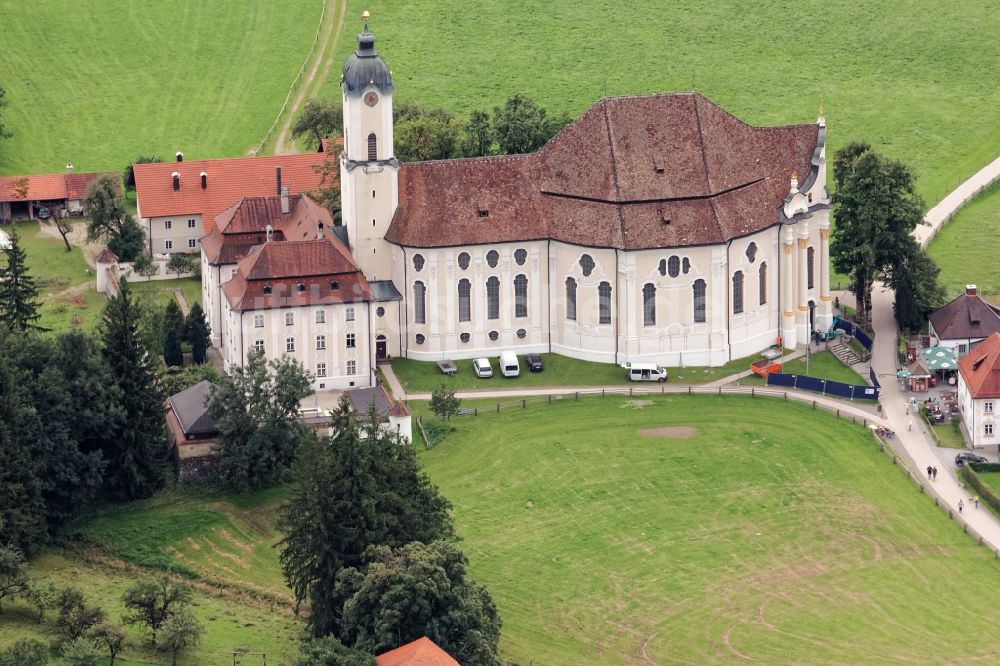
(980, 368)
(227, 181)
(967, 317)
(631, 173)
(50, 187)
(107, 257)
(421, 652)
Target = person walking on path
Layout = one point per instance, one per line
(930, 472)
(935, 473)
(961, 505)
(909, 424)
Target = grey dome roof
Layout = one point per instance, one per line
(365, 68)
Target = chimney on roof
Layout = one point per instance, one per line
(277, 179)
(204, 180)
(284, 201)
(69, 167)
(970, 290)
(270, 232)
(180, 156)
(176, 177)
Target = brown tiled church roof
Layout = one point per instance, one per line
(980, 368)
(630, 173)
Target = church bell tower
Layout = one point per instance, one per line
(369, 170)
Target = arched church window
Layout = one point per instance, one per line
(649, 305)
(493, 298)
(762, 279)
(521, 296)
(587, 265)
(570, 299)
(604, 303)
(674, 266)
(738, 292)
(699, 301)
(464, 300)
(811, 267)
(463, 260)
(520, 256)
(418, 262)
(372, 147)
(752, 252)
(419, 304)
(492, 257)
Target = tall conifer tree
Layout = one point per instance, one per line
(137, 453)
(197, 332)
(173, 334)
(18, 293)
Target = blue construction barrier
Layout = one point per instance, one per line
(824, 386)
(853, 329)
(873, 377)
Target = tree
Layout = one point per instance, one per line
(152, 317)
(144, 266)
(75, 616)
(327, 192)
(63, 225)
(153, 603)
(175, 380)
(18, 292)
(42, 595)
(444, 403)
(319, 118)
(128, 175)
(477, 138)
(112, 635)
(137, 450)
(180, 263)
(914, 277)
(13, 573)
(257, 415)
(197, 332)
(522, 126)
(181, 632)
(110, 221)
(173, 334)
(427, 138)
(82, 651)
(328, 651)
(25, 652)
(875, 208)
(401, 594)
(22, 509)
(4, 132)
(358, 488)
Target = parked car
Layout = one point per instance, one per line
(967, 456)
(645, 372)
(482, 367)
(534, 362)
(509, 367)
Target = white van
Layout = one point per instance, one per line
(509, 366)
(645, 372)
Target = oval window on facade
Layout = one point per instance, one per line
(380, 311)
(520, 256)
(494, 335)
(463, 260)
(420, 338)
(418, 262)
(521, 333)
(465, 337)
(674, 266)
(687, 265)
(492, 258)
(752, 252)
(587, 265)
(662, 267)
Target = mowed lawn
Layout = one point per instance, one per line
(100, 85)
(902, 74)
(966, 247)
(708, 530)
(823, 365)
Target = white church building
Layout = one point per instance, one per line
(654, 228)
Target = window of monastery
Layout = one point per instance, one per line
(167, 224)
(604, 302)
(418, 262)
(320, 316)
(420, 338)
(738, 292)
(521, 296)
(320, 342)
(811, 267)
(520, 256)
(349, 314)
(192, 242)
(465, 337)
(493, 298)
(699, 301)
(988, 407)
(464, 300)
(752, 252)
(988, 429)
(649, 305)
(289, 319)
(674, 266)
(321, 369)
(492, 258)
(571, 299)
(351, 341)
(352, 367)
(522, 334)
(494, 335)
(587, 265)
(762, 280)
(168, 244)
(463, 260)
(191, 224)
(419, 309)
(258, 345)
(258, 321)
(289, 344)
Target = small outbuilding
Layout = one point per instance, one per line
(964, 322)
(421, 652)
(192, 431)
(391, 413)
(24, 197)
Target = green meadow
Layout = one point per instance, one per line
(966, 247)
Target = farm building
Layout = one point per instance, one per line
(421, 652)
(964, 322)
(24, 197)
(979, 394)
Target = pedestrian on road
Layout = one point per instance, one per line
(930, 472)
(909, 424)
(935, 473)
(960, 506)
(975, 501)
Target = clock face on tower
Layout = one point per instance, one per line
(371, 99)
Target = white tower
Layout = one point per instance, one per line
(369, 170)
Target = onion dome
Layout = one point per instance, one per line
(365, 68)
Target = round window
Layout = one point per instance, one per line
(492, 257)
(420, 338)
(521, 333)
(418, 262)
(587, 264)
(380, 311)
(465, 337)
(494, 335)
(463, 260)
(520, 256)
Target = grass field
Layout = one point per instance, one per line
(966, 248)
(902, 74)
(101, 86)
(220, 544)
(424, 376)
(766, 532)
(823, 365)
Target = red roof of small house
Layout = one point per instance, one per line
(632, 172)
(968, 317)
(980, 368)
(227, 181)
(51, 187)
(421, 652)
(106, 257)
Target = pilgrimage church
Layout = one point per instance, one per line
(654, 228)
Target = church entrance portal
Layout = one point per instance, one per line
(381, 347)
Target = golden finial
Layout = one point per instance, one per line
(795, 175)
(365, 15)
